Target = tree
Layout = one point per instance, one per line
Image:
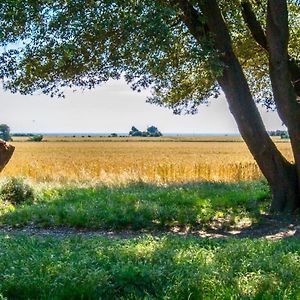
(185, 51)
(5, 132)
(135, 132)
(153, 131)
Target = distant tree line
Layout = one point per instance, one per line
(23, 134)
(6, 135)
(282, 133)
(151, 131)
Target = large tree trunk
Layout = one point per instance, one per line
(6, 152)
(284, 91)
(284, 70)
(280, 174)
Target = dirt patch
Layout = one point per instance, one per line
(271, 228)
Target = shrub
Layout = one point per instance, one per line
(36, 138)
(16, 191)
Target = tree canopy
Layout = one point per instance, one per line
(50, 45)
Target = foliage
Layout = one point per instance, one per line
(282, 133)
(36, 138)
(152, 131)
(135, 132)
(164, 267)
(5, 133)
(16, 191)
(61, 44)
(141, 206)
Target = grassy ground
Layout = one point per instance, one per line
(141, 206)
(148, 268)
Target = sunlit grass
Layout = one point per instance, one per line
(165, 267)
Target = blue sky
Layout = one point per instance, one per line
(113, 107)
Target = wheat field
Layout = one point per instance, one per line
(121, 160)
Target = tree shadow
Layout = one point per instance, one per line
(182, 208)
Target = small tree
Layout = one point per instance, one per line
(5, 132)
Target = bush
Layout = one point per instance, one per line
(16, 191)
(36, 138)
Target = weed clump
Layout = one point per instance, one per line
(16, 191)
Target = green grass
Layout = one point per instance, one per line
(146, 267)
(141, 206)
(168, 267)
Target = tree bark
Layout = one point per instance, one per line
(283, 90)
(6, 152)
(280, 174)
(259, 36)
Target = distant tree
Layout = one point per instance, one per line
(36, 138)
(136, 133)
(153, 131)
(133, 130)
(114, 135)
(282, 133)
(5, 132)
(145, 134)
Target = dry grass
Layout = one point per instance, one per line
(125, 159)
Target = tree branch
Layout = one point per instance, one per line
(253, 24)
(260, 37)
(192, 19)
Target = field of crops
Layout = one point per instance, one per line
(121, 160)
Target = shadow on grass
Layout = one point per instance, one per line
(142, 206)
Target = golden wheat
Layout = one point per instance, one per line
(122, 160)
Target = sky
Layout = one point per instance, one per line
(113, 107)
